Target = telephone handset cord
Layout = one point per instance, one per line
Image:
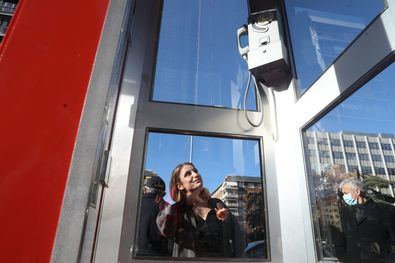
(258, 98)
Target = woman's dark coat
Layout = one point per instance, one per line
(196, 237)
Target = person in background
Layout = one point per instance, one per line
(368, 226)
(199, 225)
(150, 241)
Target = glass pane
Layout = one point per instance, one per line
(198, 62)
(355, 142)
(320, 30)
(228, 221)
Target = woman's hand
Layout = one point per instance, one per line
(199, 197)
(222, 212)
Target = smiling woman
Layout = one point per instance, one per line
(185, 180)
(216, 211)
(199, 225)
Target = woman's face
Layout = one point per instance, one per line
(190, 179)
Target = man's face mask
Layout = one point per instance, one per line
(349, 200)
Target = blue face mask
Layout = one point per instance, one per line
(349, 200)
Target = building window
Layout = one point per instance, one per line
(348, 143)
(366, 170)
(335, 142)
(389, 159)
(391, 171)
(351, 156)
(322, 141)
(361, 144)
(230, 170)
(379, 170)
(321, 30)
(324, 154)
(373, 145)
(376, 158)
(371, 110)
(386, 147)
(338, 155)
(364, 157)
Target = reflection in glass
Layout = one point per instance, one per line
(230, 170)
(355, 139)
(321, 30)
(197, 61)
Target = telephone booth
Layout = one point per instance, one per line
(274, 103)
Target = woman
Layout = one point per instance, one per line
(199, 225)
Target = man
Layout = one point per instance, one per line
(368, 226)
(150, 242)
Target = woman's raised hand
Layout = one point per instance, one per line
(199, 197)
(222, 213)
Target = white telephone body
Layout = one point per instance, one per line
(265, 54)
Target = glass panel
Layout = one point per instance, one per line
(362, 228)
(320, 30)
(226, 221)
(198, 62)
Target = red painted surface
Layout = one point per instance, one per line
(46, 61)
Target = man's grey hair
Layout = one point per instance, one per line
(354, 182)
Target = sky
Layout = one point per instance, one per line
(370, 109)
(321, 30)
(198, 61)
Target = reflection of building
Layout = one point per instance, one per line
(329, 210)
(331, 36)
(234, 190)
(369, 154)
(243, 196)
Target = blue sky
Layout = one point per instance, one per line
(321, 30)
(198, 61)
(370, 109)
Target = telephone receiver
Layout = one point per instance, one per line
(258, 23)
(242, 31)
(266, 54)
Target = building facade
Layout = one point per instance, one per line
(235, 192)
(243, 195)
(366, 154)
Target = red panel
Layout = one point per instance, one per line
(46, 61)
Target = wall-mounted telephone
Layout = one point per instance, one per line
(265, 54)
